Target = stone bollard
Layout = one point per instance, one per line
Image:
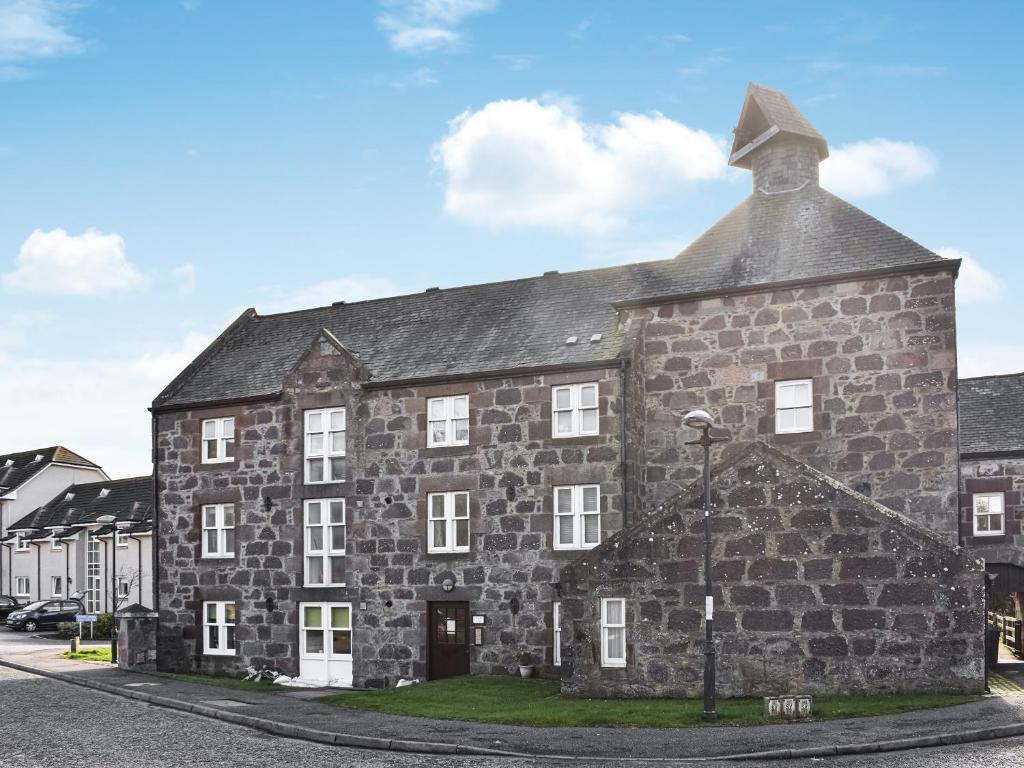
(76, 644)
(136, 638)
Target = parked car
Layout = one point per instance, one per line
(44, 614)
(7, 604)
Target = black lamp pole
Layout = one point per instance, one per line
(702, 421)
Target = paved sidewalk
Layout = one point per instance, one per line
(289, 715)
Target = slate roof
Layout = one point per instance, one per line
(992, 415)
(25, 465)
(127, 500)
(767, 239)
(765, 108)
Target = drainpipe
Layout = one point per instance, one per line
(155, 535)
(103, 581)
(67, 568)
(624, 464)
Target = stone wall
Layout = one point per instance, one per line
(509, 468)
(882, 357)
(999, 475)
(818, 590)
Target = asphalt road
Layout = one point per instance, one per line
(49, 723)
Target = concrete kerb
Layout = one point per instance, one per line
(425, 747)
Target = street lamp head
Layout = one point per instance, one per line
(699, 420)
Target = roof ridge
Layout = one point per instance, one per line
(992, 376)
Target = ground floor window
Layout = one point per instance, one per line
(56, 586)
(326, 629)
(613, 632)
(988, 514)
(219, 628)
(22, 586)
(556, 620)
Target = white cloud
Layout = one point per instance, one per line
(96, 406)
(975, 283)
(18, 328)
(515, 62)
(185, 277)
(417, 26)
(876, 166)
(989, 359)
(424, 77)
(35, 29)
(520, 163)
(352, 288)
(92, 263)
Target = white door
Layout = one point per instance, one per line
(325, 643)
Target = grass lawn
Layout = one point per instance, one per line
(263, 686)
(86, 653)
(514, 701)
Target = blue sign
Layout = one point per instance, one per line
(85, 618)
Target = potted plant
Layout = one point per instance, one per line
(525, 664)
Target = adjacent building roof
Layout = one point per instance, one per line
(128, 500)
(992, 415)
(802, 235)
(18, 468)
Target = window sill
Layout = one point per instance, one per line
(449, 552)
(324, 586)
(218, 557)
(216, 462)
(615, 665)
(218, 653)
(988, 534)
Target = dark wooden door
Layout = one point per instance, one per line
(448, 625)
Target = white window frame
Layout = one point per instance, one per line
(556, 640)
(327, 628)
(18, 582)
(578, 515)
(121, 539)
(56, 545)
(448, 521)
(21, 543)
(56, 586)
(326, 450)
(1001, 514)
(802, 410)
(219, 511)
(576, 409)
(443, 411)
(220, 434)
(124, 587)
(326, 550)
(220, 621)
(608, 627)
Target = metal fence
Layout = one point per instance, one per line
(1011, 632)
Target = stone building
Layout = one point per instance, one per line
(992, 479)
(69, 547)
(394, 488)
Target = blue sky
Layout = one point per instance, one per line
(166, 164)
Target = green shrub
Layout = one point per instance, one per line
(68, 629)
(104, 624)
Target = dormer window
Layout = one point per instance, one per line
(20, 543)
(218, 440)
(56, 545)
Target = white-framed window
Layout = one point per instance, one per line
(20, 543)
(56, 545)
(218, 440)
(218, 530)
(123, 587)
(22, 586)
(219, 629)
(989, 514)
(325, 542)
(325, 445)
(613, 632)
(448, 522)
(577, 516)
(794, 411)
(447, 421)
(556, 620)
(325, 629)
(56, 586)
(574, 410)
(121, 538)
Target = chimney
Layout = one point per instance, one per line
(776, 142)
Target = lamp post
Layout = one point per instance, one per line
(702, 421)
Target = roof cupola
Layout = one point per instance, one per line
(776, 142)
